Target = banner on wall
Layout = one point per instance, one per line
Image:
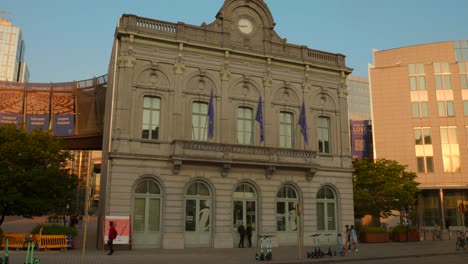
(11, 103)
(37, 106)
(122, 226)
(360, 139)
(63, 109)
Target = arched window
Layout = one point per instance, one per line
(245, 206)
(286, 217)
(147, 206)
(198, 208)
(326, 209)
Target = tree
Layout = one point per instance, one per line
(33, 174)
(381, 186)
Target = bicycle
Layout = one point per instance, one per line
(461, 240)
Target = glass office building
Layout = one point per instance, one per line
(12, 65)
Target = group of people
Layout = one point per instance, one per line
(351, 238)
(72, 220)
(245, 231)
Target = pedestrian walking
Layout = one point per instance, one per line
(241, 230)
(112, 235)
(248, 232)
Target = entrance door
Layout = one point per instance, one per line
(244, 212)
(198, 216)
(147, 214)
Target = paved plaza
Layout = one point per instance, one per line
(373, 252)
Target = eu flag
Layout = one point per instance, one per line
(303, 124)
(259, 119)
(211, 117)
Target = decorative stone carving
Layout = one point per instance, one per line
(311, 173)
(225, 169)
(269, 171)
(127, 60)
(179, 66)
(176, 166)
(225, 72)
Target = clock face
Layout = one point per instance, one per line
(245, 26)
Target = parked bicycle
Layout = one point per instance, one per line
(461, 240)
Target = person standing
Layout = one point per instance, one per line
(353, 238)
(241, 230)
(248, 232)
(112, 235)
(348, 241)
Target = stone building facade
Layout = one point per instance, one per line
(185, 154)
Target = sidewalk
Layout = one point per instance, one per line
(287, 255)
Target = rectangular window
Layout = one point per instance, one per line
(420, 109)
(425, 164)
(286, 130)
(450, 149)
(151, 115)
(200, 121)
(465, 108)
(245, 126)
(446, 108)
(417, 77)
(463, 71)
(422, 136)
(323, 134)
(442, 76)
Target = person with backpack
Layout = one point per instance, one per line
(112, 235)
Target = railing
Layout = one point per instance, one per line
(240, 155)
(160, 26)
(202, 34)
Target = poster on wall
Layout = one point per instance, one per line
(11, 103)
(63, 109)
(122, 226)
(37, 106)
(360, 139)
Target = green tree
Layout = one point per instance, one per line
(33, 174)
(381, 186)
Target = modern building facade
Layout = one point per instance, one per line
(359, 111)
(12, 47)
(213, 126)
(420, 119)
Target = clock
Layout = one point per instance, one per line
(245, 25)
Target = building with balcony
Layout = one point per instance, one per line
(420, 119)
(213, 126)
(12, 64)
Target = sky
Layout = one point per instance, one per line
(72, 40)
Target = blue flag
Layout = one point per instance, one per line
(303, 124)
(211, 117)
(259, 118)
